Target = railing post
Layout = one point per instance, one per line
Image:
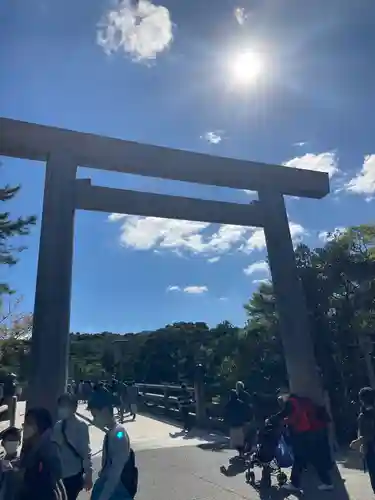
(166, 400)
(200, 397)
(12, 411)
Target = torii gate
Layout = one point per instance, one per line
(64, 150)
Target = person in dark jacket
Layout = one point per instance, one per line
(366, 431)
(242, 393)
(184, 403)
(236, 416)
(40, 460)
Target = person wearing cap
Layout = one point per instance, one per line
(72, 436)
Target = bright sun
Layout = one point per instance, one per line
(247, 67)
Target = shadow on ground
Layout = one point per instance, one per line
(215, 446)
(350, 459)
(199, 434)
(234, 468)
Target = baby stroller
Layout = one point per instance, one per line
(265, 456)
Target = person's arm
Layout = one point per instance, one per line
(50, 458)
(284, 413)
(86, 453)
(56, 435)
(119, 450)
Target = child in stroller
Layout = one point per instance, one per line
(268, 439)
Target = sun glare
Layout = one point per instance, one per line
(247, 67)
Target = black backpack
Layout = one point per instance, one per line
(129, 475)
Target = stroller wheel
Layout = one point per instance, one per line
(250, 477)
(223, 470)
(282, 478)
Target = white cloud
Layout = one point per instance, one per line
(323, 162)
(326, 236)
(195, 290)
(240, 15)
(257, 267)
(145, 233)
(223, 299)
(212, 260)
(115, 217)
(257, 240)
(192, 290)
(139, 28)
(364, 181)
(214, 137)
(152, 233)
(259, 282)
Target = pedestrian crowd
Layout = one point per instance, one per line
(52, 461)
(299, 435)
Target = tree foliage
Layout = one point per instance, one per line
(10, 228)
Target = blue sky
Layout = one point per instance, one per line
(164, 73)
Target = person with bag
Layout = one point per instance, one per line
(365, 443)
(72, 436)
(304, 421)
(118, 477)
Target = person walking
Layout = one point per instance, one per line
(304, 420)
(124, 403)
(236, 416)
(40, 460)
(242, 394)
(184, 403)
(72, 437)
(132, 395)
(250, 426)
(366, 431)
(118, 477)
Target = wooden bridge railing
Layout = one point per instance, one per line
(163, 400)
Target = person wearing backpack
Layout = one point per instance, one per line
(305, 421)
(72, 436)
(366, 431)
(118, 477)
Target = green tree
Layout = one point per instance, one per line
(10, 228)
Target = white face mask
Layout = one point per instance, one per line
(63, 413)
(11, 447)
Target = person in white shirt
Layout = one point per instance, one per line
(72, 436)
(118, 477)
